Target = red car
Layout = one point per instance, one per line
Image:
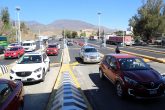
(132, 76)
(52, 49)
(14, 52)
(11, 95)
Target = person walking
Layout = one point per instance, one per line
(117, 50)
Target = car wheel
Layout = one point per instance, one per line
(49, 67)
(43, 76)
(21, 106)
(101, 74)
(18, 56)
(119, 90)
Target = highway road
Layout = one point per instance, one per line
(101, 93)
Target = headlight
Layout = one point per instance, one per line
(14, 53)
(86, 56)
(37, 70)
(130, 81)
(11, 71)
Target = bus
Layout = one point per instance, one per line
(3, 41)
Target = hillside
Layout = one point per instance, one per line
(57, 26)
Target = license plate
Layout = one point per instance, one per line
(23, 79)
(153, 92)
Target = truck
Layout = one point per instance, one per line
(128, 40)
(93, 37)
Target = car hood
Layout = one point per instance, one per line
(143, 75)
(92, 54)
(26, 67)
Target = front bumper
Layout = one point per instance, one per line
(25, 76)
(91, 60)
(158, 91)
(11, 56)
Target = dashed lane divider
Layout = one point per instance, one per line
(68, 97)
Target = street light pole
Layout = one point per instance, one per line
(99, 24)
(19, 24)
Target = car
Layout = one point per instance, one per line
(132, 76)
(52, 49)
(69, 43)
(13, 45)
(89, 54)
(29, 45)
(11, 95)
(14, 52)
(2, 49)
(31, 67)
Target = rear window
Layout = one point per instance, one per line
(12, 49)
(52, 46)
(26, 44)
(90, 50)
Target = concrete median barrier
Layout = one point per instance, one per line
(68, 97)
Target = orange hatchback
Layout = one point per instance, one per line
(132, 76)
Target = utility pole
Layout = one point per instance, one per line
(19, 24)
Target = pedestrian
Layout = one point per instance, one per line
(117, 50)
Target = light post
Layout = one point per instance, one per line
(19, 31)
(99, 24)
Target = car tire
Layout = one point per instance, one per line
(21, 106)
(43, 76)
(18, 56)
(49, 67)
(101, 74)
(119, 90)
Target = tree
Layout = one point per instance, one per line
(74, 34)
(149, 20)
(5, 20)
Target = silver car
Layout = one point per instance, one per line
(89, 54)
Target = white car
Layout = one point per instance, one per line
(89, 54)
(29, 45)
(31, 67)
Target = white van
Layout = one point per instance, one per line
(29, 45)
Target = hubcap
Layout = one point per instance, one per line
(101, 74)
(119, 90)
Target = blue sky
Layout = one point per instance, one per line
(115, 13)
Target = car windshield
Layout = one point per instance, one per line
(26, 59)
(52, 46)
(26, 44)
(90, 50)
(132, 64)
(12, 49)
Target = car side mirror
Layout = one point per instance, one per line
(149, 65)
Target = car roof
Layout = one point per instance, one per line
(121, 55)
(88, 46)
(29, 41)
(34, 53)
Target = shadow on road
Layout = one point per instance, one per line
(105, 98)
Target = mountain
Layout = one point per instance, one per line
(57, 26)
